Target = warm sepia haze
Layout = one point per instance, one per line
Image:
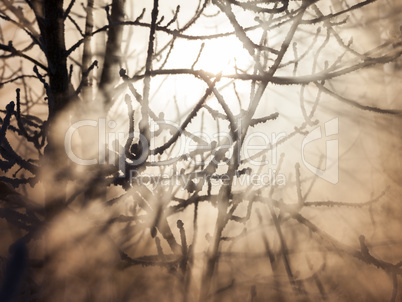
(274, 165)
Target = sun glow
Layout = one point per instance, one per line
(221, 55)
(225, 55)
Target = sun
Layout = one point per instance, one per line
(222, 56)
